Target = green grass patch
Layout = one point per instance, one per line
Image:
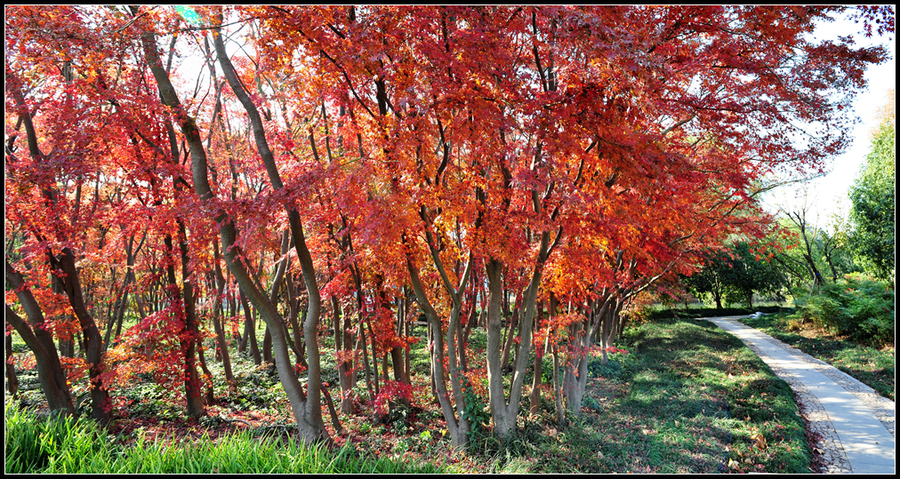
(69, 445)
(691, 399)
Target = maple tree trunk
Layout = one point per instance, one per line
(361, 328)
(534, 397)
(537, 375)
(396, 351)
(222, 353)
(315, 427)
(471, 321)
(279, 280)
(399, 371)
(510, 336)
(101, 407)
(250, 330)
(190, 334)
(604, 325)
(267, 347)
(37, 337)
(717, 294)
(502, 414)
(115, 323)
(221, 341)
(312, 427)
(244, 336)
(307, 410)
(343, 351)
(296, 342)
(210, 397)
(458, 428)
(50, 373)
(361, 345)
(504, 411)
(65, 342)
(465, 328)
(12, 381)
(408, 331)
(374, 353)
(401, 374)
(576, 374)
(117, 312)
(557, 389)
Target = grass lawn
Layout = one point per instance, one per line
(693, 399)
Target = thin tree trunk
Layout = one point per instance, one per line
(210, 398)
(217, 324)
(361, 345)
(505, 410)
(182, 301)
(510, 336)
(294, 309)
(50, 371)
(101, 407)
(250, 330)
(368, 324)
(557, 390)
(535, 396)
(12, 381)
(457, 427)
(342, 341)
(307, 410)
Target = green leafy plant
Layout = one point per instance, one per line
(618, 361)
(474, 411)
(35, 442)
(858, 307)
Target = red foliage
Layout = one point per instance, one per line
(603, 147)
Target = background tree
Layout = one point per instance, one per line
(735, 274)
(872, 197)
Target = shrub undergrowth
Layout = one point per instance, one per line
(856, 306)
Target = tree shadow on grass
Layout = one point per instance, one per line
(665, 426)
(704, 391)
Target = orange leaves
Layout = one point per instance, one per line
(553, 330)
(59, 318)
(75, 368)
(564, 321)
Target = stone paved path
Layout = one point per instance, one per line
(856, 423)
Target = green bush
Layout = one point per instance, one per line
(616, 366)
(857, 306)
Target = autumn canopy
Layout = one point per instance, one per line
(348, 171)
